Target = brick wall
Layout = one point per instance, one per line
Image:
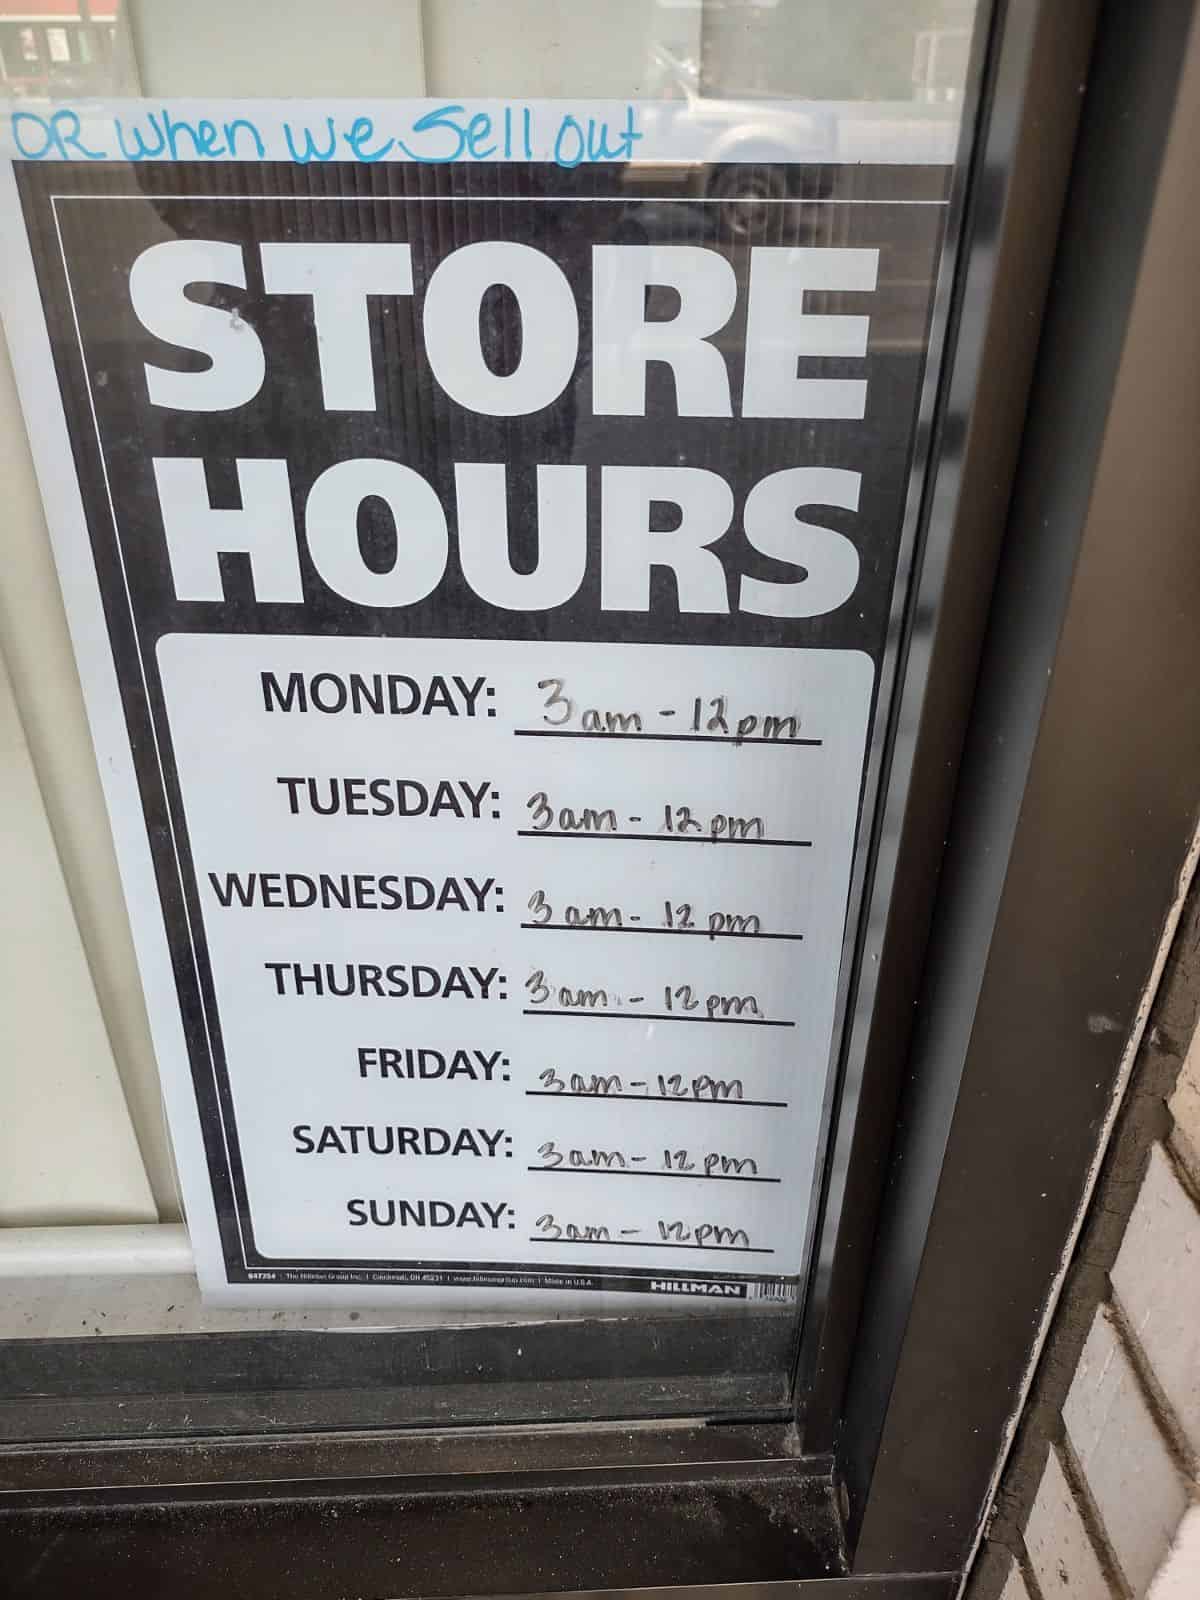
(1101, 1497)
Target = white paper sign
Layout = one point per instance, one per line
(494, 983)
(480, 578)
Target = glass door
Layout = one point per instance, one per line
(482, 449)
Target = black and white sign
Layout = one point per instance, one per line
(480, 575)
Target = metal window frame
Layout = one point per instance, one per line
(894, 1454)
(1075, 813)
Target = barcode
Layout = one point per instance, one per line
(774, 1289)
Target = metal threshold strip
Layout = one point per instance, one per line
(427, 1514)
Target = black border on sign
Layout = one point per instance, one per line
(225, 1165)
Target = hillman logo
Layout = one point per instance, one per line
(735, 1291)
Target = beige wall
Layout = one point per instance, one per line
(67, 1147)
(59, 817)
(279, 47)
(479, 48)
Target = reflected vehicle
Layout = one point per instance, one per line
(748, 149)
(749, 146)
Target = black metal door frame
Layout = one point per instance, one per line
(1075, 811)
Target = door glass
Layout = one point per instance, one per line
(480, 449)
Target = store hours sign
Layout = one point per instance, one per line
(480, 575)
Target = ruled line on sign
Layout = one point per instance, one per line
(624, 1172)
(661, 838)
(651, 1244)
(685, 933)
(667, 1099)
(678, 738)
(658, 1016)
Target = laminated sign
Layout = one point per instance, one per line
(484, 544)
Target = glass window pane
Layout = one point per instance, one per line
(482, 516)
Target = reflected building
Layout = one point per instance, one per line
(62, 50)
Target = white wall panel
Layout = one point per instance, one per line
(67, 1147)
(551, 48)
(279, 47)
(37, 649)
